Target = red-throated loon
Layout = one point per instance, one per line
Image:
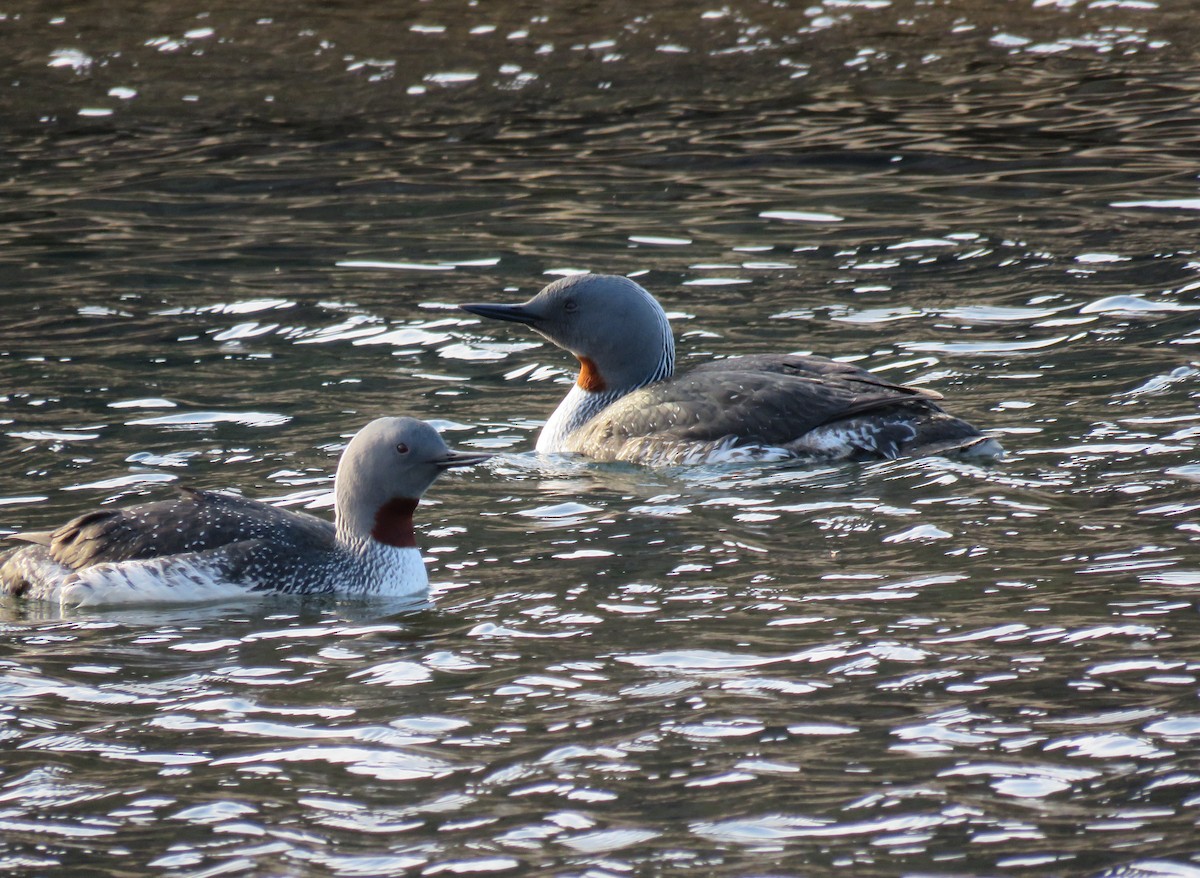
(206, 545)
(628, 404)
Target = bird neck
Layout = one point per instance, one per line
(622, 365)
(597, 387)
(392, 525)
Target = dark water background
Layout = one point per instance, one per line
(231, 234)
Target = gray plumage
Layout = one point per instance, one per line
(205, 544)
(627, 403)
(193, 521)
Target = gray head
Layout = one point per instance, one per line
(383, 472)
(616, 329)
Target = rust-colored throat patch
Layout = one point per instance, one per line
(590, 378)
(394, 523)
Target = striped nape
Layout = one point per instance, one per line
(666, 364)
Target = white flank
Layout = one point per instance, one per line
(726, 451)
(171, 580)
(656, 451)
(44, 575)
(378, 571)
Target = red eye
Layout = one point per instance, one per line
(402, 448)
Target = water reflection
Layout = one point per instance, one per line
(216, 266)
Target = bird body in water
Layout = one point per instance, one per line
(627, 403)
(208, 545)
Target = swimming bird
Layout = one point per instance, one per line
(208, 545)
(628, 404)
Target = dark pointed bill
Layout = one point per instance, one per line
(460, 458)
(510, 313)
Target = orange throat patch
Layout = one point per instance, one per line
(590, 378)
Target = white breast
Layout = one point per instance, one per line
(576, 409)
(390, 571)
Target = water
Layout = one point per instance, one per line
(229, 238)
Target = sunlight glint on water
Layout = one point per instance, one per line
(229, 240)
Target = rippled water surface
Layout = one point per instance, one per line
(229, 236)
